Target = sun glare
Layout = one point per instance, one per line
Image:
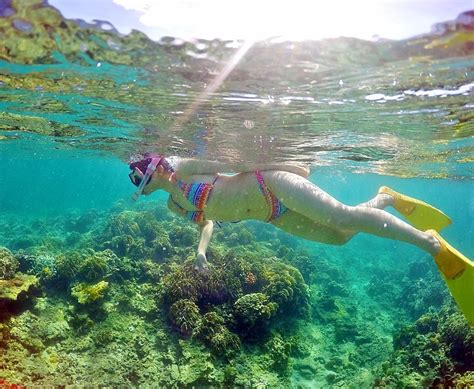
(263, 19)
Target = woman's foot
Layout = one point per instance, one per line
(450, 261)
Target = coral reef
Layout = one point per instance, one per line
(14, 293)
(285, 286)
(67, 265)
(280, 351)
(40, 264)
(145, 315)
(421, 288)
(86, 293)
(10, 289)
(184, 314)
(437, 350)
(253, 310)
(212, 330)
(97, 265)
(247, 291)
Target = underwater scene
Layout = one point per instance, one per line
(98, 290)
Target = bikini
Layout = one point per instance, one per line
(198, 194)
(275, 206)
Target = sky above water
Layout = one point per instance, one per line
(263, 19)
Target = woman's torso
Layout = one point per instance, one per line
(232, 198)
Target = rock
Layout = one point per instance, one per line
(306, 373)
(331, 377)
(306, 370)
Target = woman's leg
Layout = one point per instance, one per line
(305, 198)
(299, 225)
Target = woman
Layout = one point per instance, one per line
(282, 195)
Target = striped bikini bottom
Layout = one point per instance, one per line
(275, 206)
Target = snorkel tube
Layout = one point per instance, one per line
(148, 173)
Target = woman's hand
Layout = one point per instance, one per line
(201, 263)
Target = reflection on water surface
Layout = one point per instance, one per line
(393, 107)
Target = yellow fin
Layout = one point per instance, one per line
(421, 215)
(458, 273)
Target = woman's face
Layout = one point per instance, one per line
(155, 183)
(138, 174)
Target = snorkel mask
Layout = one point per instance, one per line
(142, 172)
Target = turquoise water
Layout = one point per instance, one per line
(79, 102)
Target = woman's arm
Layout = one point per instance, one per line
(205, 233)
(205, 229)
(173, 207)
(188, 167)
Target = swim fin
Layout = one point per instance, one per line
(458, 273)
(420, 214)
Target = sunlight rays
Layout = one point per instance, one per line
(213, 86)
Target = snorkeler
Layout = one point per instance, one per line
(282, 195)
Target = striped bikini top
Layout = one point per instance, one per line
(197, 193)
